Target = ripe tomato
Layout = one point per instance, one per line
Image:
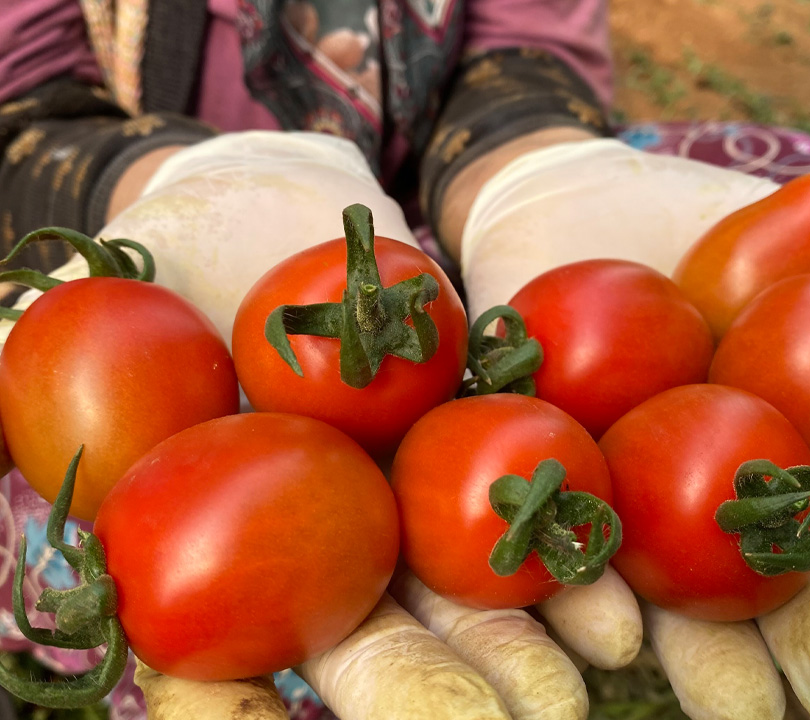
(766, 350)
(114, 364)
(747, 251)
(441, 478)
(247, 544)
(614, 333)
(379, 414)
(672, 462)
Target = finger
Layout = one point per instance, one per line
(508, 647)
(600, 622)
(392, 667)
(787, 633)
(171, 698)
(719, 671)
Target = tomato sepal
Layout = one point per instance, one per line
(541, 518)
(764, 516)
(370, 321)
(502, 364)
(86, 616)
(104, 259)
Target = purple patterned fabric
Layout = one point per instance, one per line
(777, 153)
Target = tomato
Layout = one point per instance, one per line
(766, 350)
(247, 544)
(672, 462)
(441, 478)
(614, 333)
(114, 364)
(379, 414)
(747, 251)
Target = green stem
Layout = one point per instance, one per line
(541, 519)
(86, 616)
(773, 540)
(370, 322)
(502, 364)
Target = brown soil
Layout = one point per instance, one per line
(713, 60)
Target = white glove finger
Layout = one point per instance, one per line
(787, 633)
(600, 622)
(591, 199)
(394, 668)
(718, 671)
(509, 648)
(174, 699)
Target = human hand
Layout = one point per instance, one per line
(599, 198)
(218, 214)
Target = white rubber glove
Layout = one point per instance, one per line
(589, 199)
(217, 215)
(600, 198)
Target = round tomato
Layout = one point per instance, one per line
(247, 544)
(747, 251)
(116, 365)
(379, 414)
(614, 333)
(672, 463)
(441, 476)
(766, 350)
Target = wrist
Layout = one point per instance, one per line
(133, 180)
(464, 187)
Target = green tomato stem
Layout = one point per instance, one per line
(772, 540)
(86, 616)
(370, 321)
(541, 518)
(502, 364)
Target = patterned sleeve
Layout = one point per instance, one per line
(575, 31)
(63, 141)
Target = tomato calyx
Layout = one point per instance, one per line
(85, 616)
(541, 518)
(105, 258)
(370, 320)
(772, 540)
(501, 364)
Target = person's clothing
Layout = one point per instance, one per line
(375, 72)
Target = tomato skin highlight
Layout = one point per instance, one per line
(614, 333)
(441, 476)
(246, 544)
(378, 415)
(746, 252)
(766, 350)
(672, 462)
(112, 364)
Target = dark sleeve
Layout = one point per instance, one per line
(498, 96)
(63, 146)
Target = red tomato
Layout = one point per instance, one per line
(378, 415)
(672, 462)
(766, 350)
(747, 251)
(441, 477)
(614, 333)
(247, 544)
(116, 365)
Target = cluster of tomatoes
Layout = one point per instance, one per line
(245, 543)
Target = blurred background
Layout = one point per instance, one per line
(713, 60)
